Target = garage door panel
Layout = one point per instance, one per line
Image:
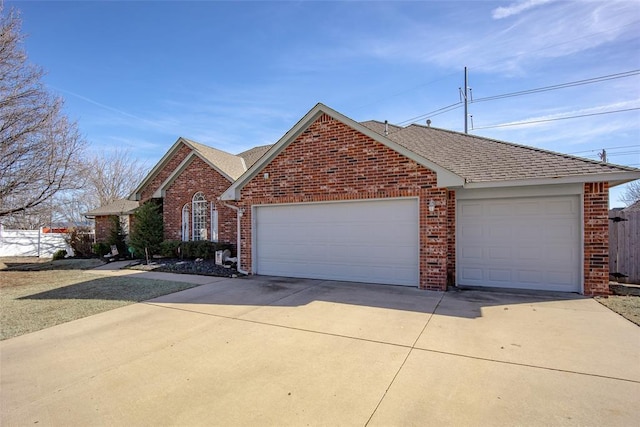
(370, 241)
(499, 275)
(530, 243)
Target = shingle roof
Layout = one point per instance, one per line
(117, 207)
(252, 155)
(378, 127)
(479, 159)
(228, 163)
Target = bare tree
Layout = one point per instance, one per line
(631, 193)
(104, 177)
(38, 143)
(112, 176)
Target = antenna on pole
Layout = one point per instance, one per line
(466, 101)
(603, 155)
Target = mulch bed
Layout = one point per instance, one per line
(201, 267)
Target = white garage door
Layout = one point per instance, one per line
(528, 243)
(361, 241)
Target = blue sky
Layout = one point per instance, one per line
(234, 75)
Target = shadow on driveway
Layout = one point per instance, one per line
(292, 292)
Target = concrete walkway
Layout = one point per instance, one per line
(276, 351)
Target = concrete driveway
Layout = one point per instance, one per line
(276, 351)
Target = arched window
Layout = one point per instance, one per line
(199, 215)
(186, 217)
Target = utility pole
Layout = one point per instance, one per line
(603, 155)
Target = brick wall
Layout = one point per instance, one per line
(331, 161)
(197, 176)
(596, 238)
(103, 228)
(451, 238)
(164, 173)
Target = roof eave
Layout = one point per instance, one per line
(136, 195)
(613, 178)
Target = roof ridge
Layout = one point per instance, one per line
(527, 147)
(208, 147)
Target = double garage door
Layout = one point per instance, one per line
(528, 243)
(373, 241)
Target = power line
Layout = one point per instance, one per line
(459, 104)
(555, 119)
(433, 113)
(610, 148)
(560, 86)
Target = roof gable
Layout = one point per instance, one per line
(228, 165)
(445, 177)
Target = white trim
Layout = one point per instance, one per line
(160, 192)
(527, 191)
(194, 223)
(213, 215)
(615, 178)
(154, 171)
(506, 193)
(185, 222)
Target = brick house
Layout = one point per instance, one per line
(122, 208)
(186, 182)
(369, 202)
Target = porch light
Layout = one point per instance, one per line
(432, 205)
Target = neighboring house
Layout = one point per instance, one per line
(340, 200)
(186, 183)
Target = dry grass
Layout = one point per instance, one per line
(627, 306)
(48, 294)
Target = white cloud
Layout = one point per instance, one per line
(516, 8)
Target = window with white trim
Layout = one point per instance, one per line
(186, 216)
(199, 217)
(214, 222)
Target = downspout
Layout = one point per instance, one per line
(239, 213)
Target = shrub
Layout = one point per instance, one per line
(59, 254)
(80, 240)
(194, 249)
(101, 249)
(116, 236)
(148, 229)
(171, 248)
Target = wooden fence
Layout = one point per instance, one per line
(624, 245)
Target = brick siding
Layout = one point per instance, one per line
(451, 238)
(164, 173)
(596, 238)
(330, 161)
(197, 176)
(103, 228)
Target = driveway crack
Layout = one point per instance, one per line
(413, 346)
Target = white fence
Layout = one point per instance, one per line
(31, 243)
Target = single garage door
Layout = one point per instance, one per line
(362, 241)
(528, 243)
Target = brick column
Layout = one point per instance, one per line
(596, 238)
